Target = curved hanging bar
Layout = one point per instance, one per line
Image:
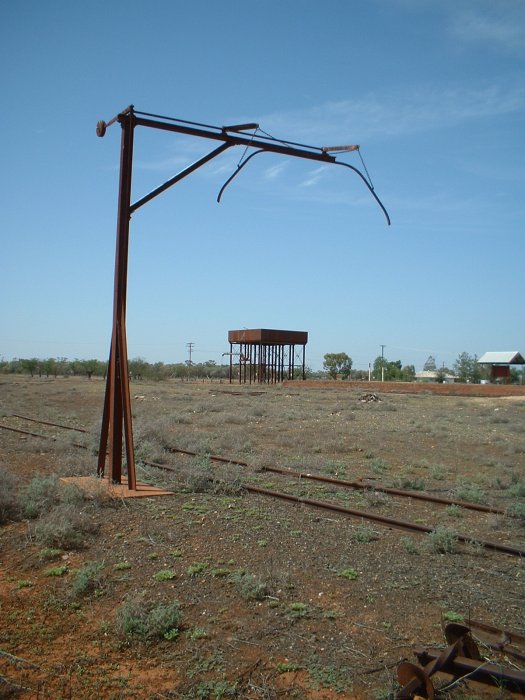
(370, 189)
(335, 162)
(239, 168)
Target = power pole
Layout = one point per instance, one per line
(190, 348)
(383, 363)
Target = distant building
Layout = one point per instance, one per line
(429, 375)
(500, 364)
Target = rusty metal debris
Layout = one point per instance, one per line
(503, 640)
(461, 659)
(370, 397)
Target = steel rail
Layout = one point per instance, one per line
(301, 475)
(362, 514)
(39, 435)
(383, 520)
(44, 422)
(387, 489)
(356, 484)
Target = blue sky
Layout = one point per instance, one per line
(434, 93)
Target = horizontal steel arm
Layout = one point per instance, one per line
(236, 140)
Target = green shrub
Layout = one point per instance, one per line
(122, 566)
(517, 489)
(443, 540)
(164, 575)
(298, 609)
(9, 506)
(39, 496)
(49, 554)
(249, 586)
(471, 493)
(65, 527)
(364, 534)
(56, 570)
(410, 545)
(349, 573)
(516, 510)
(196, 569)
(89, 580)
(148, 621)
(451, 616)
(200, 477)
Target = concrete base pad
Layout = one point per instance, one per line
(92, 484)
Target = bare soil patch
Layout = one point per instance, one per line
(276, 600)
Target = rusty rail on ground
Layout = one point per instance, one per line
(44, 422)
(40, 436)
(383, 520)
(364, 515)
(355, 484)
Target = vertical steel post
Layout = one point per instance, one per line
(116, 419)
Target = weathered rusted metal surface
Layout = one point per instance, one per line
(268, 336)
(461, 658)
(45, 422)
(480, 671)
(266, 355)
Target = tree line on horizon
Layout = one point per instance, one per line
(465, 369)
(335, 366)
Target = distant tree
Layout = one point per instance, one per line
(430, 364)
(137, 367)
(389, 371)
(337, 363)
(441, 375)
(408, 373)
(379, 364)
(48, 366)
(91, 367)
(29, 365)
(394, 371)
(466, 368)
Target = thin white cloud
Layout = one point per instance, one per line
(503, 31)
(313, 177)
(274, 171)
(387, 114)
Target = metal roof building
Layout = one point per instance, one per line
(500, 363)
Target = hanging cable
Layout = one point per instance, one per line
(366, 169)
